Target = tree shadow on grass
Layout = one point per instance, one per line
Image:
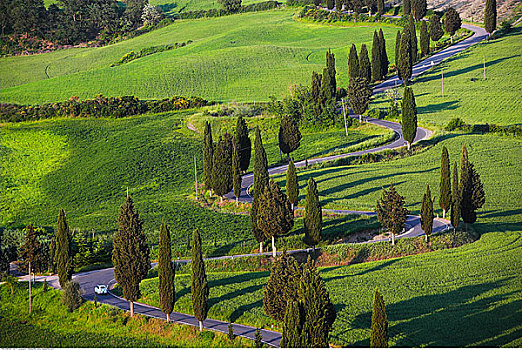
(361, 255)
(458, 318)
(437, 107)
(234, 316)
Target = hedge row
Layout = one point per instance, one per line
(260, 6)
(318, 14)
(131, 56)
(459, 124)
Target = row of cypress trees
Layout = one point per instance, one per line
(359, 66)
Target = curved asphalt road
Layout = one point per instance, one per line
(88, 280)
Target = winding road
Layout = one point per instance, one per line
(88, 280)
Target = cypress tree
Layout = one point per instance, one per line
(289, 135)
(376, 58)
(445, 182)
(379, 333)
(452, 22)
(427, 213)
(63, 250)
(292, 185)
(222, 169)
(391, 212)
(258, 337)
(315, 89)
(365, 70)
(406, 7)
(338, 5)
(424, 39)
(166, 272)
(409, 116)
(398, 52)
(353, 63)
(292, 325)
(313, 221)
(455, 198)
(359, 95)
(199, 286)
(436, 31)
(330, 64)
(330, 4)
(384, 56)
(260, 182)
(490, 16)
(130, 254)
(380, 7)
(419, 7)
(244, 144)
(319, 312)
(275, 217)
(282, 285)
(236, 170)
(325, 95)
(208, 156)
(472, 194)
(413, 40)
(405, 62)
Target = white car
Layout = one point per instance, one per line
(100, 289)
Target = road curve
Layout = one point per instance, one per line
(88, 280)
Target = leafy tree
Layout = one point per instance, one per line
(379, 333)
(490, 16)
(376, 58)
(292, 325)
(260, 182)
(471, 190)
(405, 60)
(282, 285)
(406, 7)
(380, 7)
(353, 63)
(452, 22)
(330, 4)
(236, 171)
(292, 185)
(445, 182)
(166, 272)
(199, 286)
(427, 213)
(72, 295)
(208, 156)
(409, 116)
(455, 198)
(338, 5)
(419, 7)
(289, 135)
(222, 169)
(275, 217)
(436, 31)
(359, 95)
(391, 212)
(313, 221)
(130, 254)
(151, 15)
(413, 39)
(231, 6)
(398, 51)
(384, 56)
(244, 144)
(365, 69)
(33, 251)
(63, 250)
(133, 12)
(424, 39)
(319, 312)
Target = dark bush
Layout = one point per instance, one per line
(72, 296)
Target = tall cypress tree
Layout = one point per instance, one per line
(427, 213)
(472, 194)
(419, 7)
(409, 116)
(365, 70)
(424, 39)
(413, 40)
(330, 64)
(275, 216)
(385, 62)
(353, 63)
(455, 198)
(166, 272)
(380, 7)
(260, 182)
(292, 185)
(445, 182)
(398, 51)
(391, 212)
(130, 254)
(199, 286)
(222, 169)
(244, 144)
(436, 31)
(490, 16)
(379, 333)
(289, 135)
(236, 170)
(406, 7)
(376, 58)
(315, 88)
(325, 95)
(313, 221)
(405, 62)
(63, 250)
(292, 325)
(452, 22)
(208, 156)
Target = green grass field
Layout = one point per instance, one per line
(241, 57)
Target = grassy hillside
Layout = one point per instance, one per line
(242, 57)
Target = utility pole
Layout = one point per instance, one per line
(344, 113)
(484, 64)
(196, 176)
(29, 287)
(442, 72)
(127, 191)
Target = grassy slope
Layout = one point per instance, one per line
(241, 57)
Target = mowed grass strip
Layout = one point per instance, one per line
(242, 57)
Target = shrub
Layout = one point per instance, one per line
(455, 124)
(72, 296)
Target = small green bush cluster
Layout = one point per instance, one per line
(99, 107)
(459, 124)
(320, 15)
(260, 6)
(131, 56)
